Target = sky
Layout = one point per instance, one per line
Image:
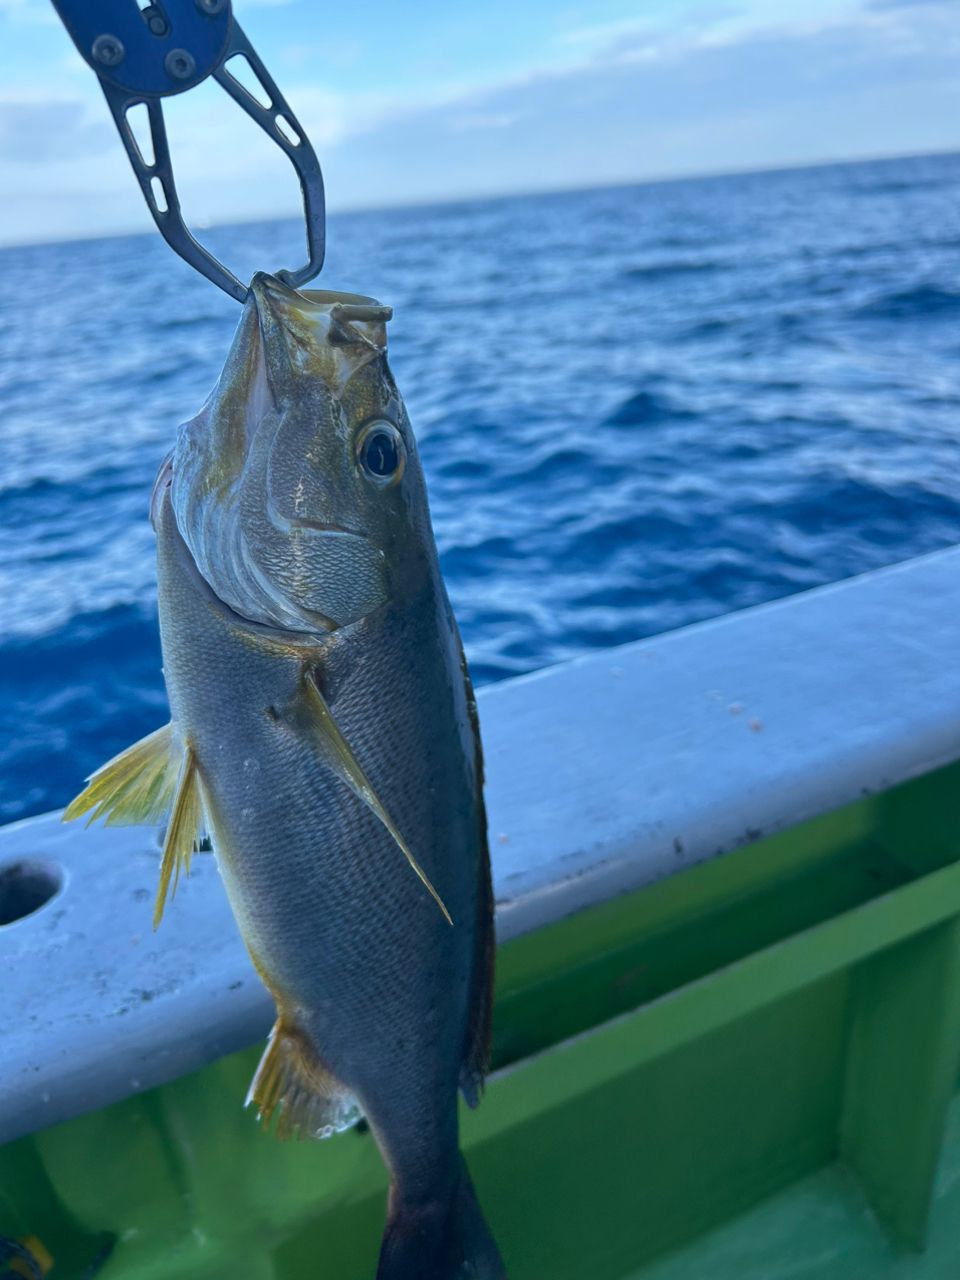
(431, 101)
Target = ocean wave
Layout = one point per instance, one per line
(875, 510)
(645, 407)
(637, 408)
(681, 267)
(899, 186)
(920, 302)
(76, 696)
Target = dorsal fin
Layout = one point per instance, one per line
(476, 1054)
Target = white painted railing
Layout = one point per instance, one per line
(603, 775)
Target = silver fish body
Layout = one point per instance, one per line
(352, 947)
(324, 725)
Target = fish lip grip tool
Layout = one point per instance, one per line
(146, 50)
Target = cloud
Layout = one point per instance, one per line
(630, 102)
(594, 39)
(907, 4)
(765, 97)
(341, 54)
(34, 12)
(482, 120)
(36, 133)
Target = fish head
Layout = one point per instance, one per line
(297, 488)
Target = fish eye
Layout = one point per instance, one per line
(381, 453)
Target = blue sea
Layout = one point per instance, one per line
(637, 407)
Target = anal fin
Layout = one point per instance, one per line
(292, 1081)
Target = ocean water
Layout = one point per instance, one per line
(637, 408)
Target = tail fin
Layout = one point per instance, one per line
(445, 1240)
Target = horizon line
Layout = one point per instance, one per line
(514, 194)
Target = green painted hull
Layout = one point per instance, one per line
(745, 1071)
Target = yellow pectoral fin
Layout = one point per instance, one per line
(134, 787)
(337, 753)
(183, 831)
(142, 785)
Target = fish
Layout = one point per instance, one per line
(324, 738)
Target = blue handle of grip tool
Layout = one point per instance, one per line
(142, 66)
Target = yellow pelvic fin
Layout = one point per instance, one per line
(338, 754)
(293, 1080)
(183, 831)
(134, 787)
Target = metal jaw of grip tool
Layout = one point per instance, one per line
(147, 50)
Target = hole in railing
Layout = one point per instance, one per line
(286, 130)
(138, 122)
(238, 68)
(159, 195)
(25, 887)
